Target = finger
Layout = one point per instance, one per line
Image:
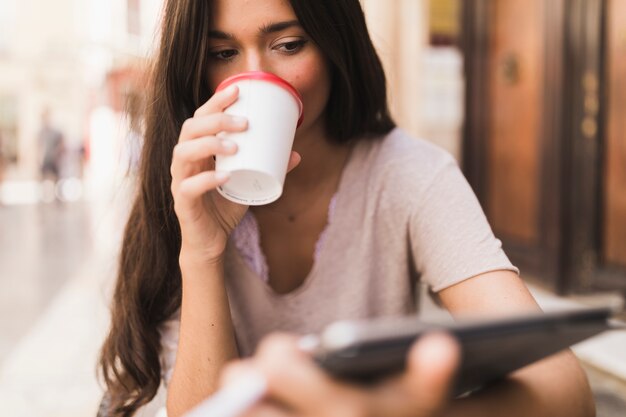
(422, 389)
(199, 149)
(219, 101)
(294, 161)
(211, 124)
(194, 187)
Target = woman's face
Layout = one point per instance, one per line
(265, 35)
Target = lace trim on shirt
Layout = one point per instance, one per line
(247, 239)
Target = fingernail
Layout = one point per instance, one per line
(228, 144)
(239, 121)
(222, 175)
(231, 89)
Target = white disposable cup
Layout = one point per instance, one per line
(273, 109)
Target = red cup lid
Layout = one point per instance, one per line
(264, 76)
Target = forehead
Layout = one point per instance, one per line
(245, 15)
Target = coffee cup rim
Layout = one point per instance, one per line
(269, 77)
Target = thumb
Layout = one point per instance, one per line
(431, 366)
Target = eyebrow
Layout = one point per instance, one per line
(265, 29)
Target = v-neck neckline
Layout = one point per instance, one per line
(326, 234)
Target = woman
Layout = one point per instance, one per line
(366, 212)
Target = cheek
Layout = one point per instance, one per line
(312, 80)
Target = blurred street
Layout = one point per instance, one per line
(36, 242)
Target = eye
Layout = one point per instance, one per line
(291, 47)
(225, 54)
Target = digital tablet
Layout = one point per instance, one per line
(365, 351)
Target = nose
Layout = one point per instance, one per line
(255, 61)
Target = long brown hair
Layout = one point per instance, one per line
(148, 287)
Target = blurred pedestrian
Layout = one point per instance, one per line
(51, 149)
(51, 145)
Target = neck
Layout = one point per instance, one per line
(322, 161)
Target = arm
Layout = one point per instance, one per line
(555, 386)
(451, 236)
(206, 339)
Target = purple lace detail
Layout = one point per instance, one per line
(247, 239)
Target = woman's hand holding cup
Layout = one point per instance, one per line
(206, 218)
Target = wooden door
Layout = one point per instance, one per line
(515, 86)
(609, 266)
(614, 253)
(509, 132)
(545, 135)
(595, 226)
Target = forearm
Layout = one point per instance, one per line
(552, 388)
(206, 340)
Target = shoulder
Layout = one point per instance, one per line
(400, 152)
(404, 164)
(398, 140)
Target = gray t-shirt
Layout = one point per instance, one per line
(403, 213)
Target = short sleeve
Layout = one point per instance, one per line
(169, 332)
(450, 237)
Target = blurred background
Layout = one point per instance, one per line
(528, 95)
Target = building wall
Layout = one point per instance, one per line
(56, 54)
(399, 31)
(425, 83)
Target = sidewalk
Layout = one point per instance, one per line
(50, 371)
